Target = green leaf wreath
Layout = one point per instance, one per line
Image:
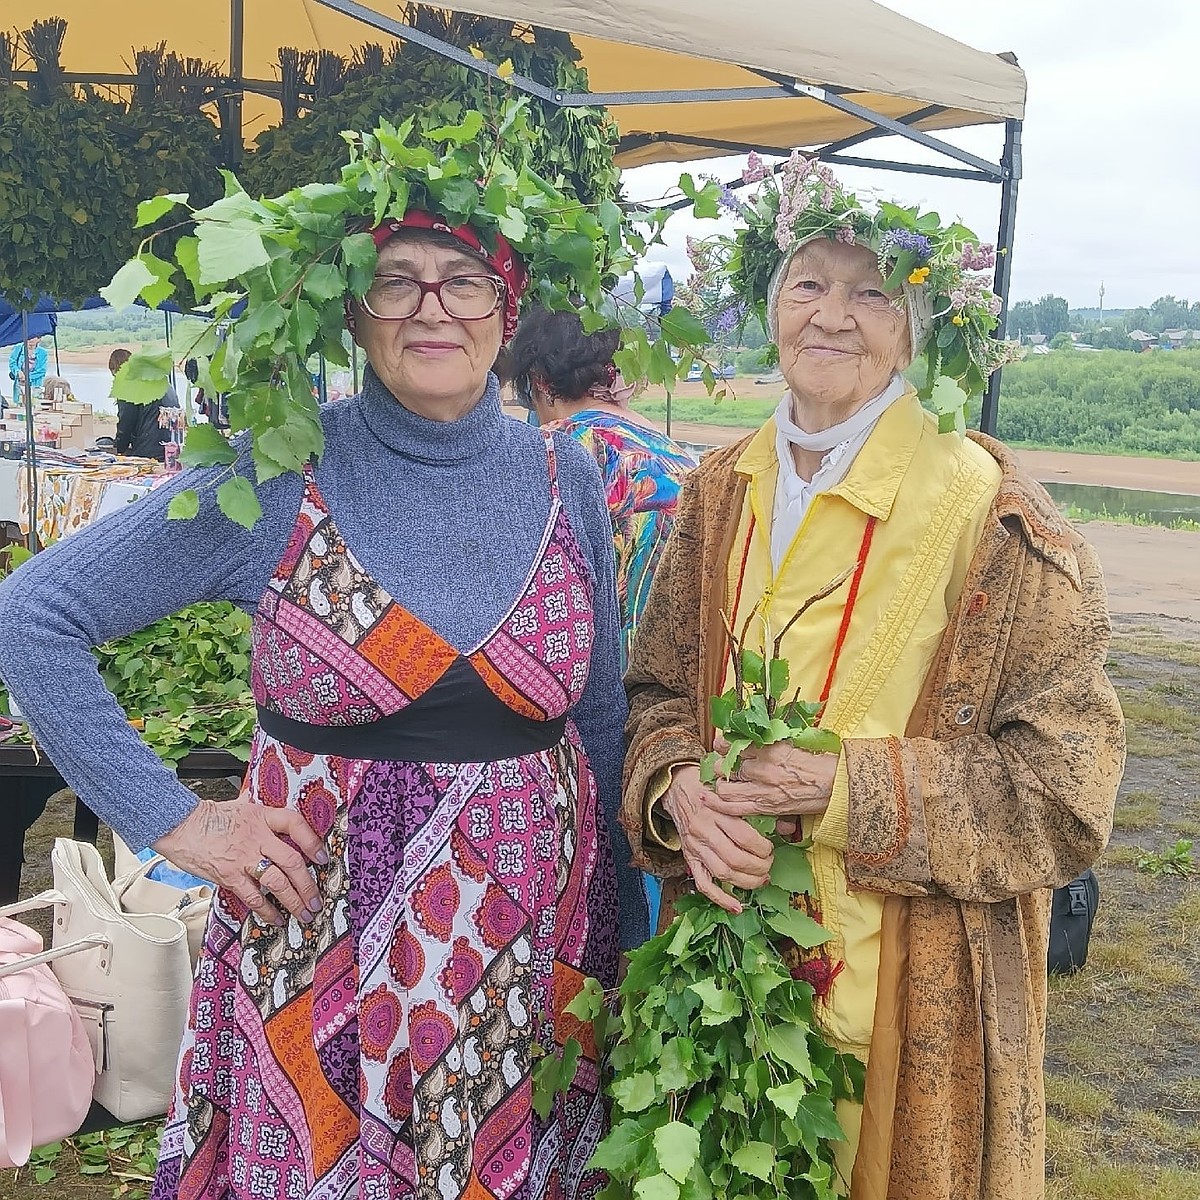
(273, 275)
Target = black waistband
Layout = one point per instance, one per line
(458, 720)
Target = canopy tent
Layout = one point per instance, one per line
(684, 79)
(12, 331)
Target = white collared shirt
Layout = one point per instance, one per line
(793, 494)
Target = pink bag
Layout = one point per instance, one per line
(47, 1068)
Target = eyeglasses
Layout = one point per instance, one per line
(463, 297)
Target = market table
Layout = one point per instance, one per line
(28, 779)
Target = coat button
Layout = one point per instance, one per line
(965, 715)
(979, 602)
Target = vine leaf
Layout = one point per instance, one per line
(149, 211)
(657, 1187)
(790, 869)
(588, 1002)
(678, 1147)
(798, 926)
(787, 1097)
(228, 251)
(623, 1149)
(236, 499)
(126, 285)
(143, 378)
(789, 1044)
(205, 446)
(184, 505)
(634, 1093)
(756, 1159)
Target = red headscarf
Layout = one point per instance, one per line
(504, 260)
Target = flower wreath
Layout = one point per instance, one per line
(941, 272)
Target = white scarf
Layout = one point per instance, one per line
(840, 445)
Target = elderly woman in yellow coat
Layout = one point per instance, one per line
(961, 662)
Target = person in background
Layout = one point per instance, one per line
(140, 433)
(55, 388)
(568, 379)
(27, 359)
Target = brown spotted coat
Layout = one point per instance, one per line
(1002, 789)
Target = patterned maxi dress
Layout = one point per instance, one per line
(384, 1051)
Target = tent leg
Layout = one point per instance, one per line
(1011, 162)
(30, 444)
(668, 414)
(237, 31)
(54, 339)
(354, 366)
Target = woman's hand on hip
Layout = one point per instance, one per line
(718, 845)
(228, 842)
(777, 781)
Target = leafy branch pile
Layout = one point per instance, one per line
(274, 276)
(182, 681)
(74, 170)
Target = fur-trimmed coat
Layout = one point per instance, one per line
(1002, 789)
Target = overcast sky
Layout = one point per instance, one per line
(1111, 187)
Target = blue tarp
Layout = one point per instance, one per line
(40, 324)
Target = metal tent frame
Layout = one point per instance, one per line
(1006, 173)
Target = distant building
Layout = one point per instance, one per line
(1037, 339)
(1175, 338)
(1142, 340)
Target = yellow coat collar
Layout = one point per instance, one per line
(874, 477)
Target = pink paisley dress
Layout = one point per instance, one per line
(385, 1050)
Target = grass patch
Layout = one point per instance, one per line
(732, 411)
(1076, 1099)
(1146, 708)
(1080, 515)
(1137, 810)
(1147, 642)
(1124, 1183)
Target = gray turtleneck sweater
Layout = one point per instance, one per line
(446, 516)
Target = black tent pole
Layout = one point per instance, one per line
(54, 338)
(1011, 162)
(30, 444)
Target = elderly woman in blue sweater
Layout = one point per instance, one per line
(419, 872)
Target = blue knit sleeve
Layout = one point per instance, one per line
(600, 713)
(110, 579)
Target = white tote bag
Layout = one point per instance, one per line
(135, 990)
(138, 893)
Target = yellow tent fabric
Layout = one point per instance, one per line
(873, 56)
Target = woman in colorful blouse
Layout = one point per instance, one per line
(568, 379)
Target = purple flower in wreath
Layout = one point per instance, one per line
(895, 241)
(727, 320)
(729, 201)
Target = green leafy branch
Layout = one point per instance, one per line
(757, 710)
(723, 1087)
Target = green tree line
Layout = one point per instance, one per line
(1109, 402)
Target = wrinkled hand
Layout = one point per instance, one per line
(777, 781)
(224, 842)
(717, 845)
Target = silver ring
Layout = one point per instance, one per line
(259, 869)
